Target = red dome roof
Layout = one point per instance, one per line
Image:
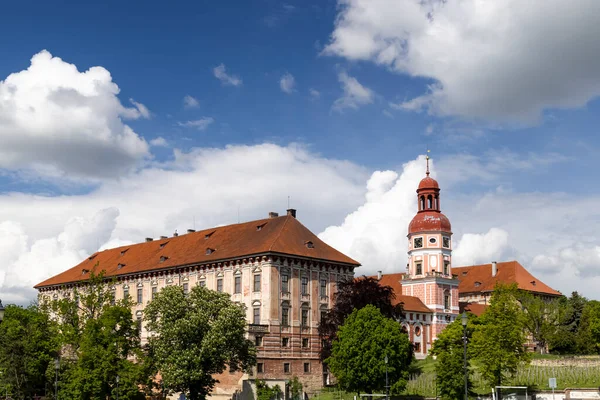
(428, 183)
(429, 221)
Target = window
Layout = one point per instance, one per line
(432, 240)
(285, 284)
(418, 268)
(140, 296)
(238, 284)
(304, 285)
(138, 325)
(260, 368)
(258, 341)
(323, 287)
(304, 317)
(219, 285)
(305, 342)
(286, 368)
(202, 283)
(446, 267)
(285, 316)
(418, 242)
(256, 317)
(125, 293)
(429, 202)
(186, 289)
(446, 242)
(306, 368)
(154, 291)
(422, 203)
(446, 301)
(285, 342)
(257, 283)
(113, 298)
(417, 347)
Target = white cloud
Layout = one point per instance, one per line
(57, 120)
(226, 79)
(287, 83)
(200, 124)
(159, 142)
(190, 102)
(315, 94)
(41, 236)
(495, 60)
(473, 248)
(355, 94)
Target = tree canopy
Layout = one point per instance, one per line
(358, 353)
(354, 294)
(499, 339)
(195, 336)
(449, 349)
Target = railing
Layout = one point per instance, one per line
(256, 328)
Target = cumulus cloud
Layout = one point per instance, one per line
(474, 248)
(354, 94)
(200, 124)
(584, 259)
(494, 60)
(57, 120)
(314, 93)
(205, 187)
(225, 78)
(287, 83)
(190, 102)
(159, 142)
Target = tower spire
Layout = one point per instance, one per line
(427, 158)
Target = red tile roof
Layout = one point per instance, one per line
(479, 279)
(409, 303)
(474, 308)
(280, 235)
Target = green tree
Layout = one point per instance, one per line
(27, 346)
(542, 318)
(588, 338)
(266, 392)
(569, 338)
(499, 340)
(449, 351)
(197, 336)
(358, 352)
(295, 388)
(354, 294)
(99, 338)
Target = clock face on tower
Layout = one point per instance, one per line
(418, 242)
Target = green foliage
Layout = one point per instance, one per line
(589, 332)
(450, 371)
(295, 388)
(197, 336)
(358, 352)
(266, 392)
(27, 346)
(97, 338)
(541, 318)
(499, 338)
(568, 337)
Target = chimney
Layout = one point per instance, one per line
(273, 214)
(379, 275)
(149, 239)
(292, 212)
(191, 230)
(175, 234)
(494, 268)
(163, 237)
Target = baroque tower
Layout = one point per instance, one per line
(429, 269)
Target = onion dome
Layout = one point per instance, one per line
(428, 221)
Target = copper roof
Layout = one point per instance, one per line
(409, 303)
(429, 220)
(280, 235)
(479, 279)
(428, 183)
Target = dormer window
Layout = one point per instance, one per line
(163, 244)
(92, 256)
(84, 271)
(208, 235)
(209, 251)
(464, 273)
(259, 227)
(309, 244)
(120, 266)
(163, 258)
(477, 284)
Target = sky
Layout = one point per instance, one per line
(123, 120)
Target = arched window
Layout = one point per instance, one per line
(422, 203)
(446, 300)
(429, 205)
(437, 203)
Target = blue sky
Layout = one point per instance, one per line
(509, 108)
